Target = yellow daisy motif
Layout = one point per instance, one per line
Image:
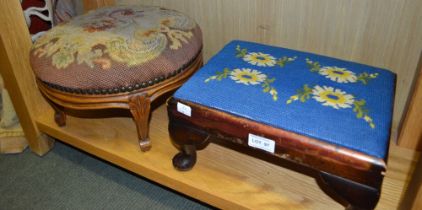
(260, 59)
(247, 76)
(340, 75)
(335, 98)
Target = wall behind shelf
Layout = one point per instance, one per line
(383, 33)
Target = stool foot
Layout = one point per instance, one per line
(355, 195)
(145, 145)
(186, 159)
(187, 139)
(59, 115)
(60, 118)
(140, 106)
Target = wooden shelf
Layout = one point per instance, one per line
(222, 177)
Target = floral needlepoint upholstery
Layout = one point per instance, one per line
(339, 102)
(116, 49)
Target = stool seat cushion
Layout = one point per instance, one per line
(343, 103)
(116, 48)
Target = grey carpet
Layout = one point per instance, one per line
(67, 178)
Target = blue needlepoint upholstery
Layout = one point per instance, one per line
(336, 101)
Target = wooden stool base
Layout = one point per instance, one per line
(137, 101)
(348, 182)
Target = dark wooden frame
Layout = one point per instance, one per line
(137, 101)
(351, 177)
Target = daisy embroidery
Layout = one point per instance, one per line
(340, 75)
(247, 76)
(260, 59)
(334, 98)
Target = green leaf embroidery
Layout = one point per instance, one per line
(365, 77)
(219, 75)
(362, 112)
(240, 53)
(267, 88)
(284, 60)
(313, 66)
(359, 108)
(302, 94)
(305, 94)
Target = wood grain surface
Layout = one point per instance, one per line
(383, 33)
(412, 199)
(222, 177)
(411, 129)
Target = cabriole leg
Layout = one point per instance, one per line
(140, 106)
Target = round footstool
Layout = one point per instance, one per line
(117, 57)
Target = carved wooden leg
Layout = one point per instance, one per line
(356, 195)
(140, 106)
(188, 140)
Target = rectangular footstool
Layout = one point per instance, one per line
(329, 115)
